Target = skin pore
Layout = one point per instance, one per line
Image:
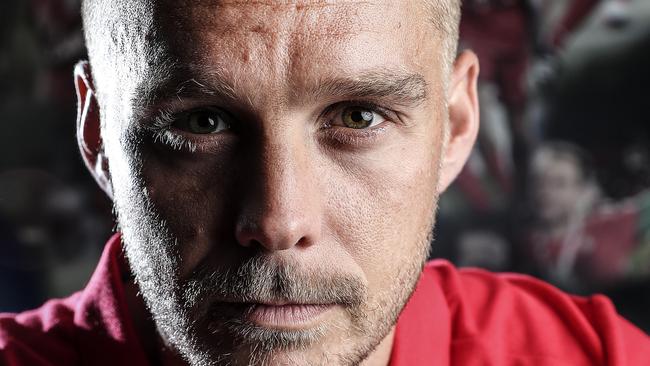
(275, 168)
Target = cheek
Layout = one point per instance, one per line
(193, 199)
(381, 207)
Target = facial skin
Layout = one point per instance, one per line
(292, 200)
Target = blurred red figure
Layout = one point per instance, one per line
(581, 240)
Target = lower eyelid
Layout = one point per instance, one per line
(354, 137)
(173, 140)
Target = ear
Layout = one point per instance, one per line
(89, 135)
(463, 117)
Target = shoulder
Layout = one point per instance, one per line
(42, 336)
(514, 318)
(92, 327)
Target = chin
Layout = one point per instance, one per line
(331, 345)
(317, 354)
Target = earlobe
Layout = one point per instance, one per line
(463, 117)
(88, 128)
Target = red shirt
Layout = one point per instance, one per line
(455, 317)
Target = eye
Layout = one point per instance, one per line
(359, 118)
(202, 122)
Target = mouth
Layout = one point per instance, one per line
(279, 315)
(286, 316)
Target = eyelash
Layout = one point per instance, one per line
(161, 128)
(161, 131)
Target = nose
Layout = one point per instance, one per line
(281, 203)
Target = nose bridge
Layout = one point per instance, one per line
(281, 207)
(283, 173)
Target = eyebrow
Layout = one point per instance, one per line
(182, 83)
(400, 87)
(406, 88)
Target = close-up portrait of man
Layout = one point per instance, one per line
(275, 168)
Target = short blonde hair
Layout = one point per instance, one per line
(445, 18)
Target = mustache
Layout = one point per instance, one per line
(261, 279)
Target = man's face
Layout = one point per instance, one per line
(557, 187)
(275, 171)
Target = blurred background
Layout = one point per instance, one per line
(557, 187)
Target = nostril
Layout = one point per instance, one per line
(246, 235)
(272, 236)
(303, 242)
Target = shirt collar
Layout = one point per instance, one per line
(107, 335)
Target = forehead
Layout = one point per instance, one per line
(284, 46)
(286, 23)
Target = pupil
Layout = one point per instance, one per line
(206, 122)
(361, 116)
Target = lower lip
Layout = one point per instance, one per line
(286, 316)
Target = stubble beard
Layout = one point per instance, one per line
(182, 317)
